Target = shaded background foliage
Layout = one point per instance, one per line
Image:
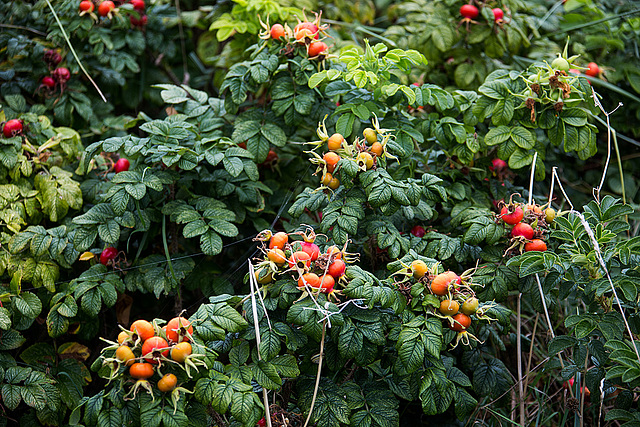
(220, 158)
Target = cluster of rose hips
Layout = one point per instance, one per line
(469, 12)
(365, 152)
(457, 300)
(145, 349)
(304, 33)
(530, 223)
(108, 8)
(58, 76)
(315, 270)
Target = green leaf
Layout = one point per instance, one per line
(269, 344)
(211, 242)
(523, 137)
(266, 375)
(195, 228)
(560, 343)
(57, 324)
(274, 134)
(520, 159)
(286, 366)
(11, 340)
(28, 304)
(233, 165)
(344, 125)
(244, 407)
(109, 231)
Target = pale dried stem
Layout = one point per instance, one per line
(254, 308)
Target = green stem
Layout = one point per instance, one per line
(166, 251)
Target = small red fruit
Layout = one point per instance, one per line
(300, 259)
(317, 48)
(121, 165)
(107, 255)
(462, 322)
(262, 422)
(498, 14)
(179, 329)
(469, 11)
(137, 5)
(593, 70)
(512, 217)
(418, 231)
(278, 240)
(87, 6)
(138, 22)
(337, 268)
(12, 127)
(497, 164)
(277, 31)
(61, 74)
(272, 156)
(52, 57)
(304, 30)
(310, 279)
(312, 249)
(535, 245)
(157, 346)
(522, 229)
(106, 7)
(48, 82)
(141, 370)
(441, 284)
(326, 283)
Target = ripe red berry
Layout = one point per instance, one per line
(317, 48)
(137, 5)
(106, 7)
(512, 216)
(593, 70)
(337, 268)
(469, 11)
(498, 164)
(418, 231)
(87, 6)
(498, 14)
(138, 22)
(61, 74)
(312, 249)
(52, 57)
(107, 255)
(262, 422)
(306, 29)
(48, 82)
(277, 31)
(121, 165)
(535, 245)
(12, 128)
(522, 229)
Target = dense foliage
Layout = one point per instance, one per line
(371, 216)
